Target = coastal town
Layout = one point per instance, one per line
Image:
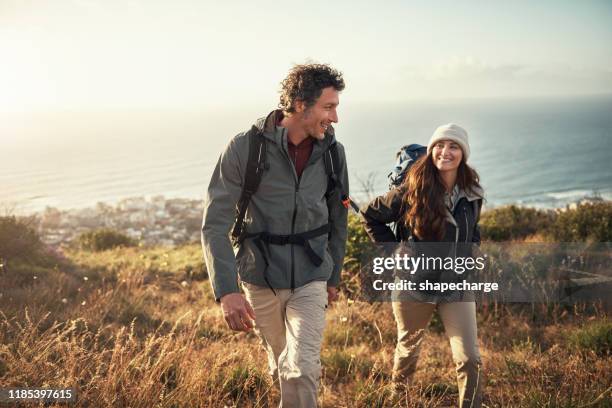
(153, 221)
(148, 221)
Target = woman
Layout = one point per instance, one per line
(439, 202)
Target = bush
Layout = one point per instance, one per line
(512, 222)
(595, 337)
(588, 222)
(357, 243)
(358, 248)
(103, 239)
(18, 239)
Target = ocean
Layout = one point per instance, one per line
(539, 152)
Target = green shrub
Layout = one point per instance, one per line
(18, 239)
(358, 248)
(103, 239)
(357, 242)
(588, 222)
(595, 337)
(512, 222)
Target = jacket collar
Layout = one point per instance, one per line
(476, 194)
(470, 196)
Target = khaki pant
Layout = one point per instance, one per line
(459, 319)
(290, 326)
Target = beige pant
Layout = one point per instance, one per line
(290, 326)
(459, 319)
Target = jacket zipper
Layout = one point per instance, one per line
(297, 189)
(293, 218)
(456, 238)
(466, 224)
(456, 235)
(457, 231)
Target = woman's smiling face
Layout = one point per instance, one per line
(446, 155)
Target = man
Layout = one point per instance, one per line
(291, 237)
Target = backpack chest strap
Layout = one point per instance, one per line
(263, 239)
(301, 239)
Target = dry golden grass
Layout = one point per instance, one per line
(139, 327)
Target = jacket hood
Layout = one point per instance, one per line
(476, 194)
(471, 196)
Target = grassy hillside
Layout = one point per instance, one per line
(139, 327)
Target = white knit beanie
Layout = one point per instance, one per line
(451, 132)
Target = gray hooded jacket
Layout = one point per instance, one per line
(283, 204)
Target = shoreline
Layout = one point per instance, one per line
(556, 201)
(158, 220)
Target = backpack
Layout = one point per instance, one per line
(404, 159)
(256, 164)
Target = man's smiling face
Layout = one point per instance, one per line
(318, 117)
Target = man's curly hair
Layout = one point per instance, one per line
(305, 83)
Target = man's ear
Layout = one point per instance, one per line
(300, 106)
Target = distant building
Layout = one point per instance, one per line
(132, 204)
(155, 222)
(159, 202)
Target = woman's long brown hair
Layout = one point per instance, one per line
(424, 197)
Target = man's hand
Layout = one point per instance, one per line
(238, 313)
(332, 294)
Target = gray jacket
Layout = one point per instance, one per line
(283, 205)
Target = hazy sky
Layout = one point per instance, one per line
(90, 54)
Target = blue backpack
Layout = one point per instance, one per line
(405, 158)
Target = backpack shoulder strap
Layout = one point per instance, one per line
(331, 159)
(332, 163)
(252, 178)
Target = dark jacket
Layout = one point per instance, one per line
(461, 233)
(461, 222)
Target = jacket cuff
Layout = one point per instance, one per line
(225, 289)
(334, 280)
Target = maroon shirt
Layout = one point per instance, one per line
(300, 154)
